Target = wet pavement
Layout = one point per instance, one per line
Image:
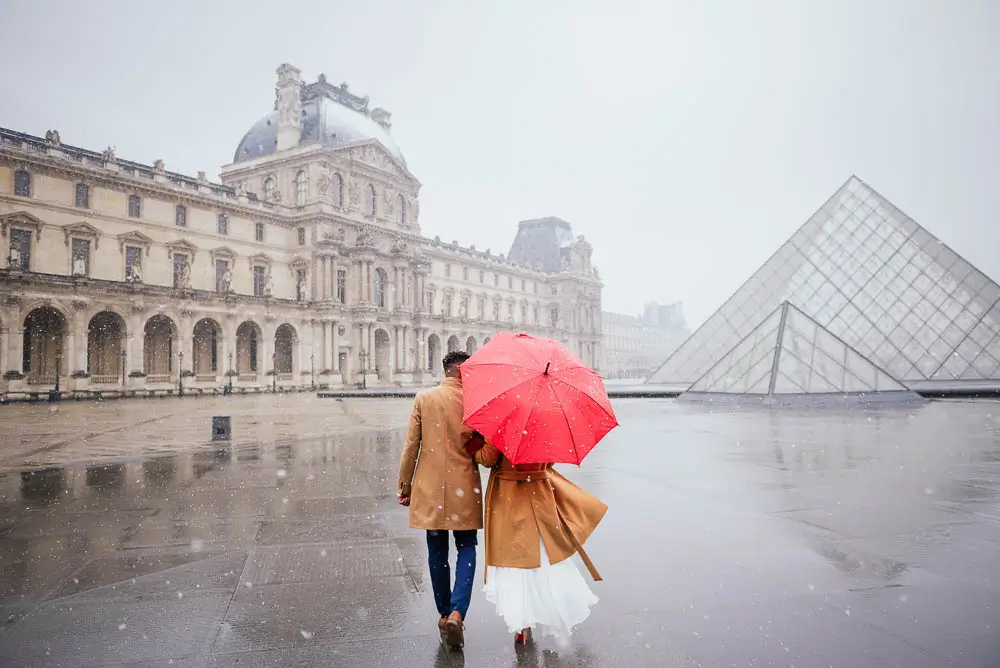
(736, 538)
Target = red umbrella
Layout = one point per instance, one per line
(535, 400)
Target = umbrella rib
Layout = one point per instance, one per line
(569, 427)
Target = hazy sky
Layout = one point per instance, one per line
(686, 140)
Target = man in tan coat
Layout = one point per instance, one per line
(439, 480)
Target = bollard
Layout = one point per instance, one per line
(221, 428)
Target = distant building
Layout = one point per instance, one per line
(306, 265)
(634, 346)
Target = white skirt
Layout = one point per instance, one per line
(551, 599)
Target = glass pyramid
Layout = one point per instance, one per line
(790, 353)
(878, 281)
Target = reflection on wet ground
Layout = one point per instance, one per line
(733, 538)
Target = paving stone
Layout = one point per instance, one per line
(346, 527)
(89, 634)
(422, 651)
(288, 564)
(279, 616)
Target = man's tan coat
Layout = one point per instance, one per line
(436, 472)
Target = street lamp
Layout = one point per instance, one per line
(274, 372)
(364, 372)
(123, 368)
(180, 373)
(56, 395)
(230, 373)
(312, 369)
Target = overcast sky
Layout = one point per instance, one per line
(686, 140)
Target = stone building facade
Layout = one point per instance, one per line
(304, 267)
(635, 346)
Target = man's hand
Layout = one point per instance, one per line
(403, 501)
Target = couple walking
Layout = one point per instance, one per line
(535, 520)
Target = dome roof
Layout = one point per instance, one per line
(325, 121)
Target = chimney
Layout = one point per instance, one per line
(289, 105)
(382, 117)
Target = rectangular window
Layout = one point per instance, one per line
(19, 255)
(535, 314)
(82, 196)
(258, 231)
(429, 301)
(302, 236)
(80, 253)
(133, 264)
(223, 223)
(524, 285)
(181, 216)
(482, 307)
(465, 273)
(496, 280)
(510, 311)
(496, 309)
(446, 306)
(22, 183)
(482, 276)
(221, 276)
(535, 286)
(259, 280)
(134, 206)
(447, 269)
(181, 275)
(342, 286)
(510, 282)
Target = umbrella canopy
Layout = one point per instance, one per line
(535, 400)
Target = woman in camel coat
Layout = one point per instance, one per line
(535, 520)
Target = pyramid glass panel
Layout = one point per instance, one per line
(789, 353)
(876, 280)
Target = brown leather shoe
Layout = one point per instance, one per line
(455, 631)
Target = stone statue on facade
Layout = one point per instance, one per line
(227, 280)
(398, 246)
(52, 138)
(159, 168)
(268, 286)
(14, 259)
(109, 156)
(135, 274)
(185, 277)
(79, 265)
(301, 288)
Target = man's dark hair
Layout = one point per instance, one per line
(453, 358)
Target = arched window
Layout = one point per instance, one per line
(269, 189)
(379, 288)
(22, 183)
(337, 190)
(370, 201)
(401, 204)
(301, 188)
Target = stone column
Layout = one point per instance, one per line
(334, 360)
(4, 350)
(16, 348)
(77, 353)
(395, 348)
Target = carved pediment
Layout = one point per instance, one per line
(181, 246)
(372, 153)
(260, 259)
(134, 238)
(82, 230)
(223, 253)
(21, 219)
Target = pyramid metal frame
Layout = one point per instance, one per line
(878, 281)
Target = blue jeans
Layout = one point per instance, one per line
(447, 599)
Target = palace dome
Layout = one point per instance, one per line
(330, 116)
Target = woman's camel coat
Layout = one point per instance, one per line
(528, 501)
